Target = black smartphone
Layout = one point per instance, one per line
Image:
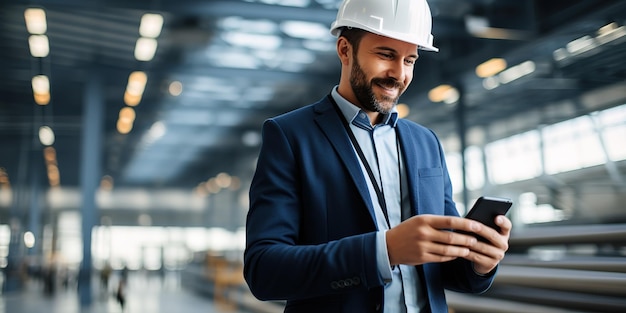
(485, 210)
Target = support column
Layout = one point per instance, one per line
(462, 130)
(34, 214)
(93, 107)
(15, 256)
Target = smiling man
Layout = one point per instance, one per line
(350, 206)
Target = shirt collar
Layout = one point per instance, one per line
(357, 116)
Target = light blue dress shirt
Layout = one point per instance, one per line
(403, 292)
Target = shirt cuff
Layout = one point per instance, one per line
(382, 258)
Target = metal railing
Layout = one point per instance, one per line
(557, 269)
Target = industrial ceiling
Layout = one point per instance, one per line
(222, 67)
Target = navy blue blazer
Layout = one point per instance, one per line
(310, 230)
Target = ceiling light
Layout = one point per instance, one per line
(305, 30)
(41, 84)
(39, 47)
(131, 100)
(42, 98)
(151, 25)
(254, 41)
(444, 93)
(223, 180)
(452, 96)
(517, 72)
(127, 114)
(35, 21)
(237, 23)
(403, 110)
(137, 82)
(491, 67)
(175, 88)
(123, 127)
(29, 239)
(317, 45)
(610, 32)
(46, 135)
(291, 3)
(491, 82)
(145, 49)
(581, 45)
(560, 54)
(41, 89)
(50, 155)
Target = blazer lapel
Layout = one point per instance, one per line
(407, 146)
(331, 125)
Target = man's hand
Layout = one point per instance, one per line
(486, 256)
(427, 238)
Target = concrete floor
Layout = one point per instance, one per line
(146, 294)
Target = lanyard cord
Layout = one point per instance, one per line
(378, 189)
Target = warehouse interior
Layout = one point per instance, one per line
(139, 122)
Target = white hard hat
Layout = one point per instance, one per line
(405, 20)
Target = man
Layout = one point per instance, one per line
(350, 207)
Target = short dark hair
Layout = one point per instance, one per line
(353, 35)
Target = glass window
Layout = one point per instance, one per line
(514, 158)
(474, 167)
(572, 145)
(613, 124)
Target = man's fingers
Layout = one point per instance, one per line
(454, 222)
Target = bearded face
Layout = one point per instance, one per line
(364, 91)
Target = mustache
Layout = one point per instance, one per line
(388, 83)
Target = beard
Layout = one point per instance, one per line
(365, 94)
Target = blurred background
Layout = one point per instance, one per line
(129, 132)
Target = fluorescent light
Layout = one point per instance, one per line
(39, 46)
(254, 41)
(151, 25)
(491, 82)
(145, 49)
(517, 72)
(236, 23)
(580, 45)
(35, 21)
(291, 3)
(41, 84)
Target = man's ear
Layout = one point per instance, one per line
(344, 50)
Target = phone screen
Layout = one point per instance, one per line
(485, 211)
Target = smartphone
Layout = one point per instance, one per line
(485, 210)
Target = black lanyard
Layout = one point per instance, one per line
(378, 189)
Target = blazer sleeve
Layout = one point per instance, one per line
(277, 263)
